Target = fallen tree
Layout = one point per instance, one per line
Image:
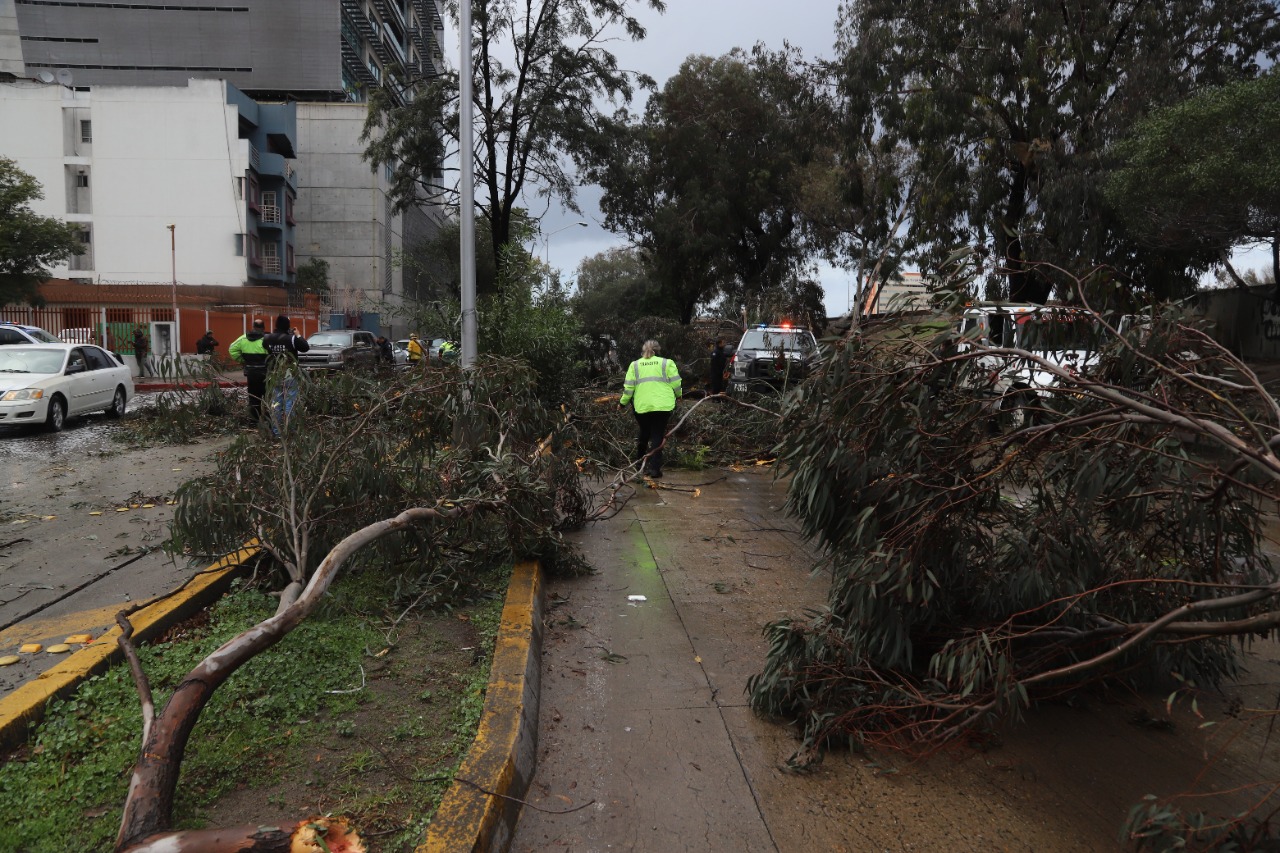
(355, 466)
(977, 569)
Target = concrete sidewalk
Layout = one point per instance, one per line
(642, 705)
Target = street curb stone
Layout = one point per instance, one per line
(481, 807)
(24, 707)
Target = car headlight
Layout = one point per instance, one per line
(335, 356)
(23, 394)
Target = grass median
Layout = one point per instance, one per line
(364, 710)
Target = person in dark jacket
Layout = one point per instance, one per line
(207, 344)
(385, 354)
(140, 347)
(283, 346)
(719, 365)
(249, 351)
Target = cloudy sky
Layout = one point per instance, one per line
(711, 27)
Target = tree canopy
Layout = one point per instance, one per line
(1010, 108)
(540, 68)
(29, 243)
(709, 181)
(1206, 171)
(618, 287)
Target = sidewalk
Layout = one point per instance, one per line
(646, 742)
(232, 377)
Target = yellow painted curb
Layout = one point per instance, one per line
(482, 815)
(24, 707)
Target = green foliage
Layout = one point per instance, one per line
(196, 407)
(614, 289)
(313, 277)
(541, 69)
(1205, 171)
(968, 565)
(1010, 108)
(64, 793)
(29, 243)
(709, 183)
(359, 448)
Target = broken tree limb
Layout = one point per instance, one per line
(148, 805)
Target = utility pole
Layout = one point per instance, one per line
(467, 206)
(173, 293)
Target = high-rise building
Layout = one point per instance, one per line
(307, 50)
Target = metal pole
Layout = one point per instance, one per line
(467, 205)
(173, 260)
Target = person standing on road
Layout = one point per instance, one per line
(414, 349)
(653, 383)
(140, 348)
(206, 345)
(249, 351)
(719, 365)
(283, 346)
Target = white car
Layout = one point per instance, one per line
(47, 383)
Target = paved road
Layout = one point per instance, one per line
(69, 557)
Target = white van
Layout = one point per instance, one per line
(1069, 338)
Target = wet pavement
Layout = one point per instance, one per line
(82, 517)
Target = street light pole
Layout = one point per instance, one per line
(547, 239)
(466, 186)
(173, 262)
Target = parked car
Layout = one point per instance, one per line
(79, 336)
(771, 357)
(48, 383)
(19, 333)
(340, 349)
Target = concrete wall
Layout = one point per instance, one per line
(159, 155)
(345, 213)
(10, 44)
(1245, 322)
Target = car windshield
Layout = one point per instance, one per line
(13, 360)
(1057, 331)
(789, 339)
(42, 336)
(330, 339)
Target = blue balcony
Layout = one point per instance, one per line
(274, 165)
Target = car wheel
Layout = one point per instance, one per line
(1019, 409)
(118, 403)
(57, 417)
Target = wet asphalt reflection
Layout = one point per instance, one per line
(84, 435)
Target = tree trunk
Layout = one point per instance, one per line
(1024, 284)
(148, 807)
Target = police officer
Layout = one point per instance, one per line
(653, 383)
(249, 351)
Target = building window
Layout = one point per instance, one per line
(288, 258)
(85, 237)
(86, 130)
(240, 188)
(239, 245)
(288, 208)
(253, 194)
(270, 211)
(375, 71)
(253, 251)
(82, 179)
(270, 258)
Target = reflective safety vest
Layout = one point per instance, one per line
(415, 350)
(654, 383)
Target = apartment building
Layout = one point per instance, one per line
(126, 162)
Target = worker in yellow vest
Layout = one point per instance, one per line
(652, 387)
(414, 348)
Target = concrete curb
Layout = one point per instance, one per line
(480, 813)
(24, 707)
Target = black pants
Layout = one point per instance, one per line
(257, 387)
(653, 429)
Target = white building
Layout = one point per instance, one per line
(126, 162)
(907, 291)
